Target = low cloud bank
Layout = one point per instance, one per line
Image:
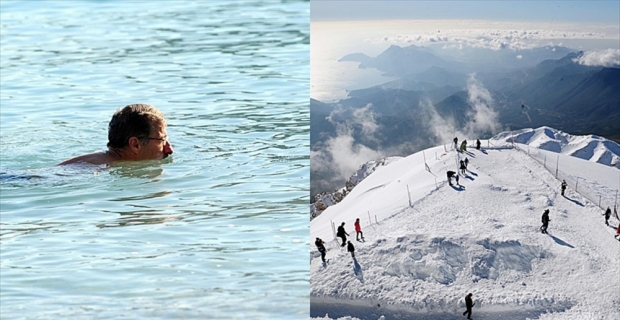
(342, 155)
(603, 58)
(494, 39)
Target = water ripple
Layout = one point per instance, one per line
(218, 231)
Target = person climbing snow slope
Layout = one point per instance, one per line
(358, 230)
(342, 234)
(545, 221)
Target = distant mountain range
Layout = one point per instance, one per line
(562, 93)
(403, 61)
(398, 61)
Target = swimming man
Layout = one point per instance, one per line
(136, 132)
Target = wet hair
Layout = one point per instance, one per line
(134, 120)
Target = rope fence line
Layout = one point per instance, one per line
(602, 200)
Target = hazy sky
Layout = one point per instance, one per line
(371, 26)
(596, 12)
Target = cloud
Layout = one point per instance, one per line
(341, 156)
(365, 119)
(347, 120)
(442, 129)
(482, 118)
(347, 155)
(501, 38)
(603, 58)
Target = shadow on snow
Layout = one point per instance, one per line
(561, 242)
(373, 310)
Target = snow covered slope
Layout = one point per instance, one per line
(428, 244)
(326, 199)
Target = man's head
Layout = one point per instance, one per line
(140, 130)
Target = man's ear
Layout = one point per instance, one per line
(134, 145)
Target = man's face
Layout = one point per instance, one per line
(158, 146)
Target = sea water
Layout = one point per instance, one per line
(220, 230)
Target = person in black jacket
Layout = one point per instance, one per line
(478, 144)
(463, 167)
(450, 174)
(563, 186)
(351, 249)
(607, 215)
(545, 221)
(320, 244)
(342, 234)
(468, 304)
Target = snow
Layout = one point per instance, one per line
(591, 147)
(428, 244)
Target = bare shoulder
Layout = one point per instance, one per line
(95, 158)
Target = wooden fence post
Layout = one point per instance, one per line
(576, 184)
(409, 195)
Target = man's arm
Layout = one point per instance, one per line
(96, 158)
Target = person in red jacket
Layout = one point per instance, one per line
(358, 230)
(617, 236)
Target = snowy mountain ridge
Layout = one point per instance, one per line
(427, 243)
(590, 147)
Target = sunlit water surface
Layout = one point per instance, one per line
(220, 231)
